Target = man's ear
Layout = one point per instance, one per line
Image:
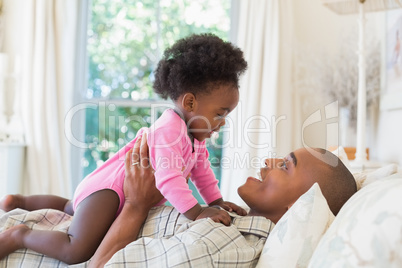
(189, 102)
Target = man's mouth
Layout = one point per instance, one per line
(254, 179)
(259, 175)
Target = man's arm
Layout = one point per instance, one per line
(140, 196)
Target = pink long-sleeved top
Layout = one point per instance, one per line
(173, 159)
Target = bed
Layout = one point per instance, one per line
(366, 233)
(167, 239)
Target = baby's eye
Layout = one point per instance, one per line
(220, 116)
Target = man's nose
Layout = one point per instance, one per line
(271, 163)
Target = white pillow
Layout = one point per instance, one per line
(294, 238)
(367, 231)
(365, 178)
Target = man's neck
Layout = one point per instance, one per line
(272, 217)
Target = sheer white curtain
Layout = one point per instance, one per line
(47, 92)
(261, 125)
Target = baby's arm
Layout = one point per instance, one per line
(217, 215)
(207, 185)
(229, 206)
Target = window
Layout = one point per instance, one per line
(125, 41)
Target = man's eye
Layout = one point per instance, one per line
(283, 165)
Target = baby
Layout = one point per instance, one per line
(200, 74)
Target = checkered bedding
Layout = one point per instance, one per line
(39, 220)
(167, 239)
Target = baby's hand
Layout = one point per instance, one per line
(216, 214)
(229, 206)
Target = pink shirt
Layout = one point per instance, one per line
(172, 158)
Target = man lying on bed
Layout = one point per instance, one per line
(283, 182)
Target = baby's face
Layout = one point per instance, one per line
(282, 182)
(211, 111)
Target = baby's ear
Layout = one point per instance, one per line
(189, 102)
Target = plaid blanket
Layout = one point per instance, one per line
(37, 220)
(167, 239)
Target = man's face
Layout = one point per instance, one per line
(283, 182)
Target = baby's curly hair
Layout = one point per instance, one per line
(198, 64)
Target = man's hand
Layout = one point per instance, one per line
(140, 194)
(139, 184)
(229, 206)
(216, 214)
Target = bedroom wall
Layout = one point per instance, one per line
(317, 27)
(389, 142)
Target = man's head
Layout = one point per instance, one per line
(285, 180)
